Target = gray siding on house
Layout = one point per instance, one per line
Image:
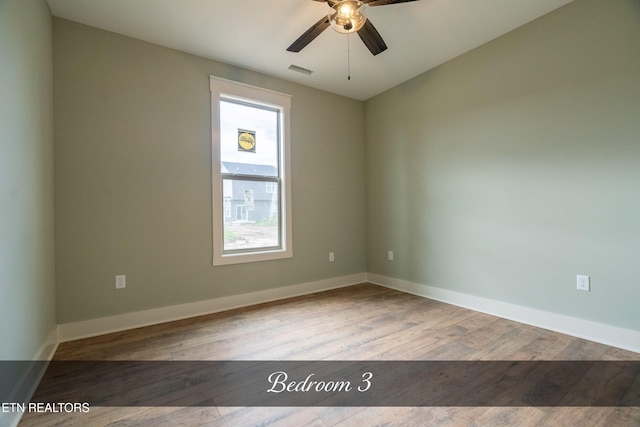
(264, 194)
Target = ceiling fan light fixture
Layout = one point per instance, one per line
(347, 16)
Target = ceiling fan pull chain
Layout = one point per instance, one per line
(348, 57)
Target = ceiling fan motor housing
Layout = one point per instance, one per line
(347, 16)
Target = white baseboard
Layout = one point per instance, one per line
(627, 339)
(49, 347)
(606, 334)
(104, 325)
(28, 384)
(614, 336)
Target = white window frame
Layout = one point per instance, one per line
(220, 89)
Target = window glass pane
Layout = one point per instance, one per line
(253, 216)
(248, 139)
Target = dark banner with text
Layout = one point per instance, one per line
(334, 383)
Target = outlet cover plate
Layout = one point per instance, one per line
(121, 281)
(582, 283)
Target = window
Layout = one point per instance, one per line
(251, 185)
(270, 187)
(241, 216)
(227, 208)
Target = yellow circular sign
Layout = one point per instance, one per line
(246, 141)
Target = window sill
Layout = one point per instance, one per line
(242, 258)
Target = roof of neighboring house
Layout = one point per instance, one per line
(249, 169)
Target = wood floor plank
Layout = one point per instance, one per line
(361, 322)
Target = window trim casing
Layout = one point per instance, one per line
(259, 96)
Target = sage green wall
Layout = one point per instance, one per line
(27, 295)
(507, 171)
(133, 178)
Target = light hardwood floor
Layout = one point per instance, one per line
(362, 322)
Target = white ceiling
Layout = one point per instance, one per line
(255, 34)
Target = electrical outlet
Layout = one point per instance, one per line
(332, 257)
(582, 283)
(390, 255)
(121, 281)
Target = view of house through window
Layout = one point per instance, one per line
(249, 153)
(250, 196)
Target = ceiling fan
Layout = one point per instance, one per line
(347, 16)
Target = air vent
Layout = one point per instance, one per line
(300, 70)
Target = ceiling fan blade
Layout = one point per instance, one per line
(384, 2)
(309, 35)
(371, 38)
